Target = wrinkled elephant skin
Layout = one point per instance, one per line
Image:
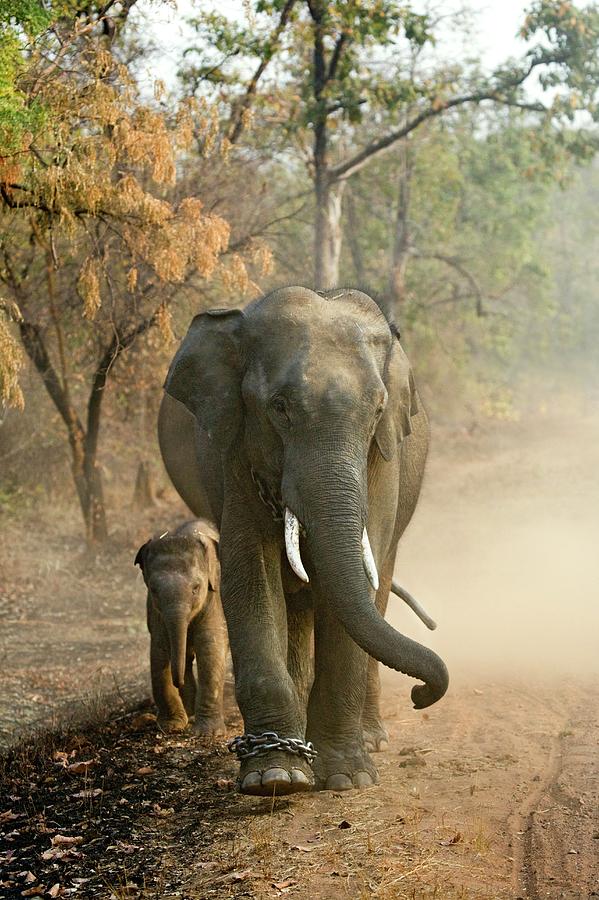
(185, 620)
(302, 407)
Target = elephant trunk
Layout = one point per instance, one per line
(334, 522)
(176, 626)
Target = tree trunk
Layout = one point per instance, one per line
(402, 245)
(353, 238)
(328, 235)
(328, 192)
(97, 529)
(82, 443)
(143, 494)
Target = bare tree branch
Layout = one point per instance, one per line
(498, 94)
(455, 263)
(236, 123)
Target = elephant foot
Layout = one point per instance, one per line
(210, 726)
(275, 773)
(343, 767)
(376, 737)
(172, 723)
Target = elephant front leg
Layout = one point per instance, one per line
(335, 708)
(189, 690)
(254, 607)
(210, 644)
(171, 712)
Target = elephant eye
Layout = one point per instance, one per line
(279, 404)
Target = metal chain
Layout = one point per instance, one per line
(247, 746)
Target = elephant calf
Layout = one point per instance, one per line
(185, 619)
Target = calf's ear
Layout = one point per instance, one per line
(212, 563)
(140, 559)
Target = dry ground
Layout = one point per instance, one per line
(490, 794)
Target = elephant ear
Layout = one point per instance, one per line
(142, 554)
(205, 373)
(212, 563)
(395, 423)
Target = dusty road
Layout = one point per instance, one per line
(493, 793)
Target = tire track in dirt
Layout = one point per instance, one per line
(524, 876)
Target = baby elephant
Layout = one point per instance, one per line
(185, 619)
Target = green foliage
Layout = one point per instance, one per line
(20, 23)
(568, 45)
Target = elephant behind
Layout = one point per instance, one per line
(296, 427)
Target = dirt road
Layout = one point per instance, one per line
(493, 793)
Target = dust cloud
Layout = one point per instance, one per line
(503, 550)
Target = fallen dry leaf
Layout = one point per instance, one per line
(281, 885)
(61, 757)
(34, 891)
(8, 816)
(63, 840)
(302, 848)
(144, 720)
(87, 794)
(56, 853)
(54, 890)
(224, 784)
(145, 770)
(159, 811)
(81, 768)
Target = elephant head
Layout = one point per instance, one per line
(314, 394)
(179, 570)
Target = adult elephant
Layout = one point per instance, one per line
(294, 424)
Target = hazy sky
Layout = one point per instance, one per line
(496, 26)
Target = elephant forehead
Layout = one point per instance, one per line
(173, 552)
(313, 377)
(314, 334)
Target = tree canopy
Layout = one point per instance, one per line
(302, 142)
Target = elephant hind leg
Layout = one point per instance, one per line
(376, 737)
(188, 691)
(300, 627)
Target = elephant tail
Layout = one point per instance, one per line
(404, 595)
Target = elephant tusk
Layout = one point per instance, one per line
(369, 563)
(292, 545)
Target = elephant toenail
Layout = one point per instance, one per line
(251, 784)
(275, 778)
(362, 779)
(383, 745)
(369, 745)
(339, 782)
(300, 780)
